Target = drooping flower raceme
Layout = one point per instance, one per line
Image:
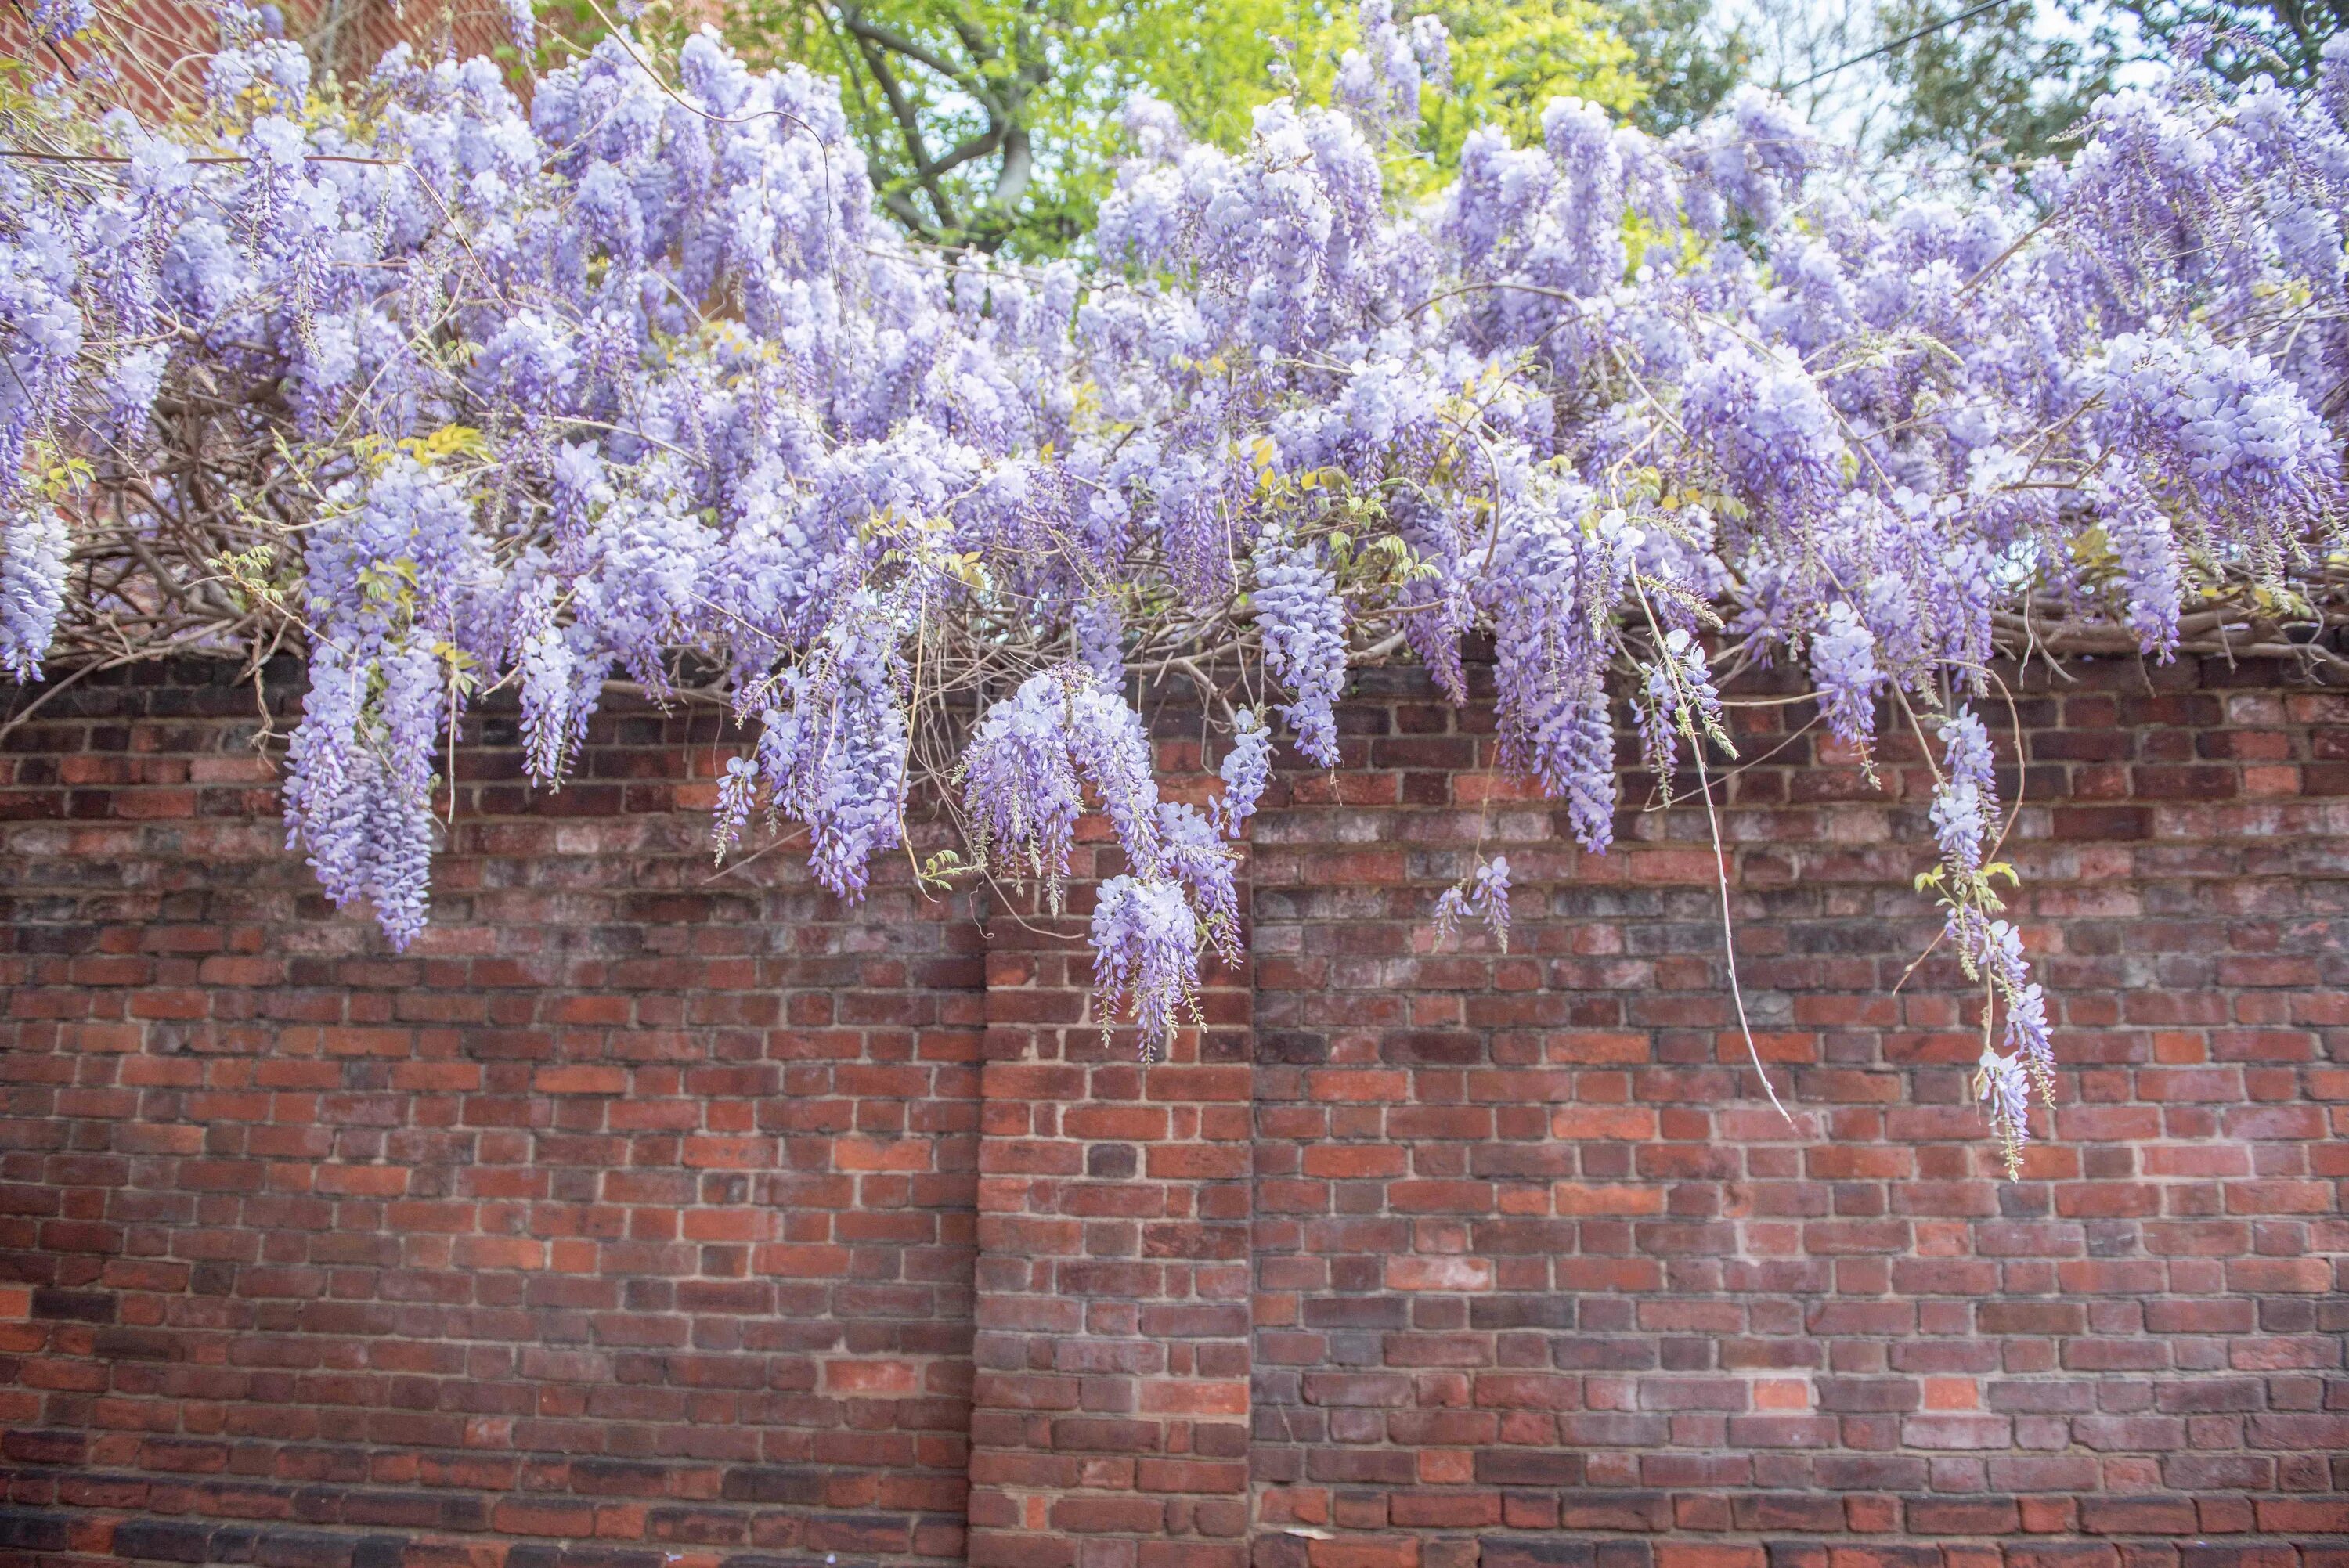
(2227, 435)
(1844, 668)
(2145, 546)
(32, 588)
(388, 567)
(1968, 799)
(1303, 627)
(1484, 896)
(835, 754)
(1019, 782)
(1246, 770)
(1146, 946)
(1990, 949)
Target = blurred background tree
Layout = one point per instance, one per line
(1992, 88)
(2283, 39)
(995, 123)
(1685, 56)
(1510, 57)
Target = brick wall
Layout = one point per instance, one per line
(654, 1215)
(153, 52)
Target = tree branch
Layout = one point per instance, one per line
(906, 214)
(1019, 166)
(909, 126)
(896, 43)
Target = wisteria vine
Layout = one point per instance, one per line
(626, 383)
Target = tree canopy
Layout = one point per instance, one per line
(1991, 88)
(994, 123)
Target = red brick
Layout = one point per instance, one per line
(676, 1208)
(1674, 1554)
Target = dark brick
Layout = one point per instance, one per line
(1533, 1552)
(29, 1531)
(162, 1541)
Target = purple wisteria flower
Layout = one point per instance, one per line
(635, 382)
(1303, 626)
(1247, 769)
(1147, 952)
(32, 552)
(1484, 896)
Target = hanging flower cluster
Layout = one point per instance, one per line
(627, 383)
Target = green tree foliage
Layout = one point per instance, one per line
(1685, 62)
(1990, 88)
(2282, 38)
(994, 123)
(1510, 57)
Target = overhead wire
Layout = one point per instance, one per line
(1899, 43)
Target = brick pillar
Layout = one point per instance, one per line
(1110, 1418)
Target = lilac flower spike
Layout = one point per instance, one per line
(1145, 948)
(1484, 896)
(1303, 631)
(33, 548)
(1246, 769)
